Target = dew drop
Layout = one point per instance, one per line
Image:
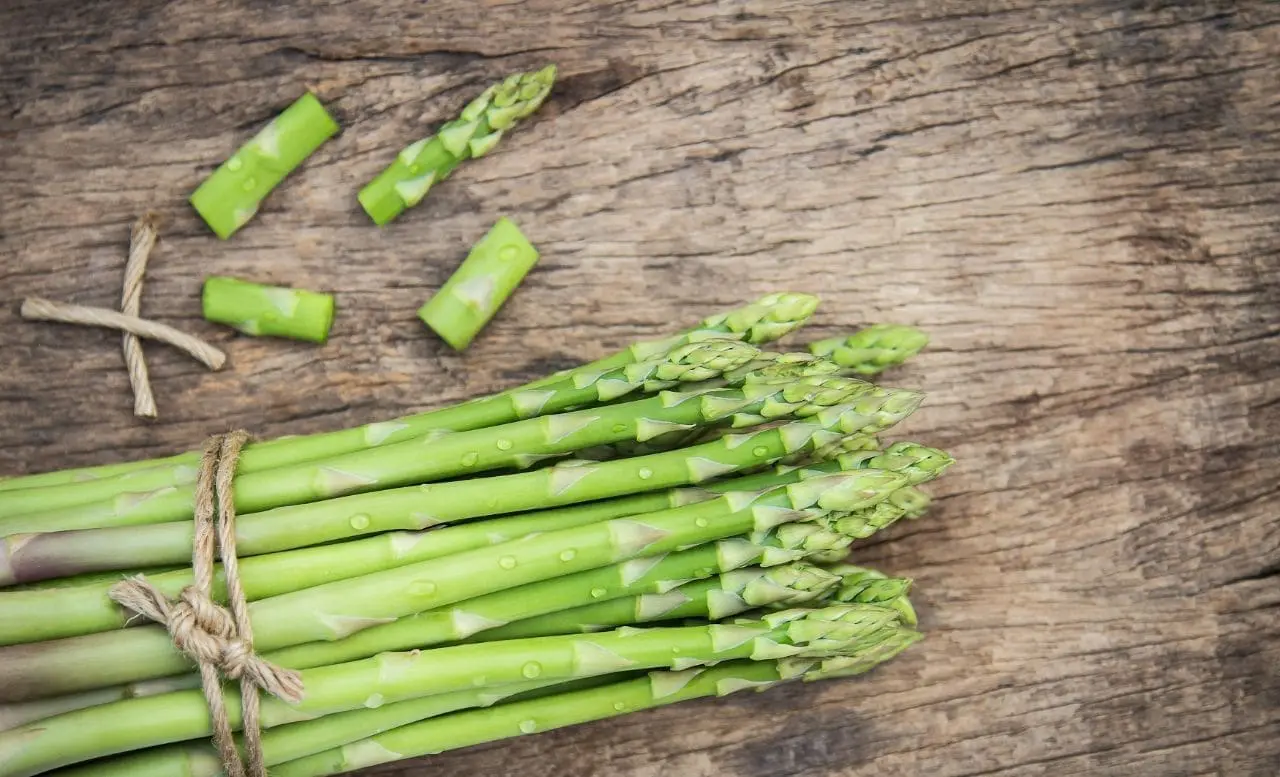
(619, 705)
(675, 650)
(760, 451)
(248, 184)
(619, 428)
(504, 445)
(422, 588)
(470, 459)
(415, 168)
(701, 523)
(507, 562)
(359, 521)
(596, 593)
(531, 670)
(508, 253)
(528, 726)
(234, 164)
(374, 701)
(644, 473)
(568, 554)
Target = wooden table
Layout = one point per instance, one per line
(1080, 201)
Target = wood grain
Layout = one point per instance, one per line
(1080, 201)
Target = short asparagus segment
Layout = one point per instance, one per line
(472, 295)
(228, 198)
(393, 677)
(337, 610)
(419, 167)
(465, 453)
(768, 318)
(872, 350)
(695, 362)
(257, 309)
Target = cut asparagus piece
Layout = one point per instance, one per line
(424, 164)
(694, 362)
(337, 610)
(274, 311)
(230, 196)
(109, 729)
(872, 350)
(768, 318)
(472, 295)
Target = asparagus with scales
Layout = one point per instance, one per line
(34, 557)
(686, 363)
(392, 677)
(22, 613)
(769, 318)
(777, 546)
(337, 610)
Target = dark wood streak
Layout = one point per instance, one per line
(1079, 199)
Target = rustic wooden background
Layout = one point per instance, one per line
(1080, 201)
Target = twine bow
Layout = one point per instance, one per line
(219, 639)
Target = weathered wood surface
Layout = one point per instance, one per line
(1079, 200)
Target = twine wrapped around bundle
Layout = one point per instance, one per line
(219, 639)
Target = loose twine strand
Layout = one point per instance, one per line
(41, 309)
(218, 639)
(142, 238)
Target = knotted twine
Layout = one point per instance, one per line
(218, 639)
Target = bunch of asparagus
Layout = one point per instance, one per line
(668, 523)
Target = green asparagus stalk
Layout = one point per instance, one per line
(769, 318)
(109, 729)
(473, 134)
(279, 311)
(228, 198)
(22, 614)
(729, 593)
(687, 363)
(337, 610)
(872, 350)
(466, 453)
(472, 295)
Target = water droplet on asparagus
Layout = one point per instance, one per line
(701, 523)
(528, 726)
(619, 705)
(619, 428)
(422, 588)
(234, 164)
(596, 593)
(470, 459)
(248, 184)
(644, 473)
(568, 554)
(504, 445)
(359, 521)
(760, 452)
(374, 701)
(531, 670)
(507, 562)
(508, 253)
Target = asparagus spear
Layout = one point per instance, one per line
(108, 729)
(255, 309)
(473, 134)
(686, 363)
(729, 593)
(472, 295)
(872, 350)
(465, 453)
(767, 319)
(505, 721)
(337, 610)
(81, 612)
(228, 198)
